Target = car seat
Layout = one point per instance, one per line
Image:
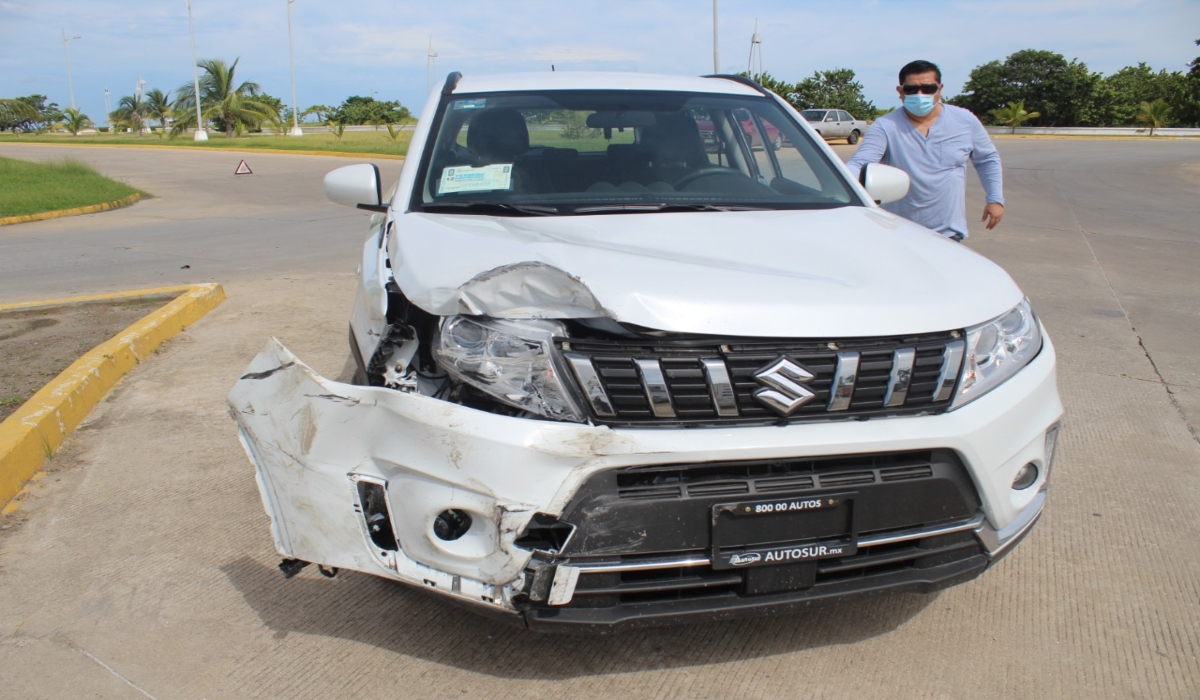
(497, 136)
(674, 145)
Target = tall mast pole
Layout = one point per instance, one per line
(201, 134)
(716, 51)
(296, 130)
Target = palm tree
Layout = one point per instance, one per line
(13, 113)
(1014, 115)
(1154, 114)
(231, 109)
(74, 121)
(131, 113)
(158, 106)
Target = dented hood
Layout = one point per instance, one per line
(845, 272)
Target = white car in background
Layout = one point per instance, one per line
(833, 124)
(642, 376)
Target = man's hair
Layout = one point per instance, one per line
(919, 67)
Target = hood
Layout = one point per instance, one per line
(852, 271)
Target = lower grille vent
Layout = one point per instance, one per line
(719, 479)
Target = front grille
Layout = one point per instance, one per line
(706, 382)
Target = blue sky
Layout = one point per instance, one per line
(376, 47)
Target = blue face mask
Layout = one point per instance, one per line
(918, 105)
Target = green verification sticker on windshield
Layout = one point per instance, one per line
(485, 178)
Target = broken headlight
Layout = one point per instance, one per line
(997, 349)
(512, 361)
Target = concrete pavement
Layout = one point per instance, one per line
(142, 564)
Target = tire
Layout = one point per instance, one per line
(778, 143)
(852, 138)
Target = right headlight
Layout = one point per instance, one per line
(513, 361)
(996, 350)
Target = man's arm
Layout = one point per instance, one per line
(986, 160)
(870, 150)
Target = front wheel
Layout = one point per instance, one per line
(852, 138)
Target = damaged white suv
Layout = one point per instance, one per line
(614, 373)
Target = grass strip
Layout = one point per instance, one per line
(366, 142)
(33, 188)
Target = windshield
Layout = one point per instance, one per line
(613, 151)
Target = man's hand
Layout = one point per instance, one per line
(992, 213)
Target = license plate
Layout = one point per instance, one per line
(782, 531)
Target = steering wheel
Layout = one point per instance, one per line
(707, 171)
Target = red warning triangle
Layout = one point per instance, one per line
(243, 169)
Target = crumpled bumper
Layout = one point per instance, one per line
(319, 446)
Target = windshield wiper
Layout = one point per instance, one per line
(657, 207)
(498, 208)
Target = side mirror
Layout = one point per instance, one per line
(883, 182)
(356, 186)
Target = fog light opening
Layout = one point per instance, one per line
(451, 524)
(1025, 478)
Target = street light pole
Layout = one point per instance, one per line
(716, 51)
(107, 109)
(201, 134)
(67, 53)
(296, 130)
(429, 56)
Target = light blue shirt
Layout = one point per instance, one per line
(936, 164)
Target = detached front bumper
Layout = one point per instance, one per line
(356, 477)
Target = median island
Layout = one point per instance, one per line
(35, 189)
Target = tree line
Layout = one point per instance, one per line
(1038, 87)
(1067, 93)
(225, 105)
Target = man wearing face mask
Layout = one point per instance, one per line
(931, 142)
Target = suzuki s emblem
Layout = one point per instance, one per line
(785, 392)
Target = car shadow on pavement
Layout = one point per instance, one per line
(392, 616)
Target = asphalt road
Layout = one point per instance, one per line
(223, 227)
(142, 565)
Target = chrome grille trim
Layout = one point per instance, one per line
(698, 381)
(589, 381)
(655, 385)
(952, 359)
(721, 386)
(844, 379)
(700, 560)
(901, 377)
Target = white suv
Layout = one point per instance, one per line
(611, 374)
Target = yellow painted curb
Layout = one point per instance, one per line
(89, 209)
(214, 149)
(32, 434)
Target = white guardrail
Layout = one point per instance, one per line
(1094, 131)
